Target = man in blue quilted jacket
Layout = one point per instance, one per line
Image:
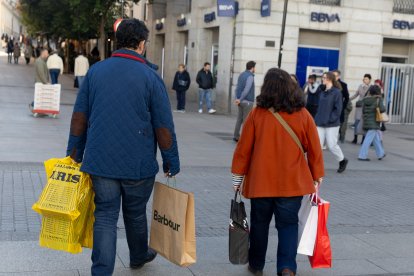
(121, 113)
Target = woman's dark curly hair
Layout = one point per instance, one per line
(280, 92)
(130, 33)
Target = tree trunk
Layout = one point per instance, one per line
(102, 38)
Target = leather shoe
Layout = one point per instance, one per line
(286, 272)
(364, 159)
(255, 271)
(151, 254)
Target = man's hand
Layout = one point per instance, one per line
(237, 102)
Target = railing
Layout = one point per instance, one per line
(326, 2)
(404, 6)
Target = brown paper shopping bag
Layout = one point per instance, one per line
(173, 225)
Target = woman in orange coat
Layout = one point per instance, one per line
(274, 172)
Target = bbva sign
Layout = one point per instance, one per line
(402, 25)
(324, 17)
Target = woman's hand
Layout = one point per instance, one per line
(317, 183)
(236, 188)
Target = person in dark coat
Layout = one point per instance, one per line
(312, 89)
(345, 107)
(327, 118)
(205, 83)
(118, 121)
(370, 124)
(10, 50)
(181, 84)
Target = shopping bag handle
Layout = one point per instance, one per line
(174, 183)
(237, 194)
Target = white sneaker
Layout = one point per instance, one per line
(200, 111)
(175, 110)
(181, 111)
(212, 111)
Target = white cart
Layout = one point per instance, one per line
(46, 100)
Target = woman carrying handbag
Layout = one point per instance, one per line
(372, 105)
(270, 162)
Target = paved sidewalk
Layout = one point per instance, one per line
(371, 220)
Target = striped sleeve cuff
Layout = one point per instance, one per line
(237, 179)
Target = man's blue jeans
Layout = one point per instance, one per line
(108, 193)
(80, 80)
(54, 75)
(371, 137)
(205, 93)
(285, 210)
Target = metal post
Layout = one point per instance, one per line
(282, 35)
(233, 46)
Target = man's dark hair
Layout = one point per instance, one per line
(130, 33)
(280, 92)
(368, 76)
(206, 63)
(251, 64)
(374, 90)
(337, 71)
(313, 76)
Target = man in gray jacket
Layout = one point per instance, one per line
(244, 96)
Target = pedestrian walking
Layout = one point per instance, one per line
(328, 118)
(181, 84)
(345, 100)
(41, 71)
(371, 126)
(245, 93)
(361, 93)
(274, 171)
(55, 65)
(81, 67)
(312, 92)
(28, 52)
(205, 83)
(117, 120)
(16, 53)
(10, 50)
(380, 84)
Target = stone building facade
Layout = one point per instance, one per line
(356, 36)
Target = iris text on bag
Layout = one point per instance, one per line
(71, 178)
(165, 221)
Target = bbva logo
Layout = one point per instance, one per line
(324, 17)
(226, 7)
(165, 221)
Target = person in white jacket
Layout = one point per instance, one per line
(55, 65)
(81, 68)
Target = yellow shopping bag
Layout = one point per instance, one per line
(66, 204)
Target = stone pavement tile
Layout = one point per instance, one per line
(395, 265)
(349, 247)
(395, 245)
(24, 256)
(147, 270)
(44, 273)
(342, 267)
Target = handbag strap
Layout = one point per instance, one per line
(288, 129)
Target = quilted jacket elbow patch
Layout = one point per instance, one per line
(78, 124)
(164, 138)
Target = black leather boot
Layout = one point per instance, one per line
(355, 139)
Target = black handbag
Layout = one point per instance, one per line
(238, 232)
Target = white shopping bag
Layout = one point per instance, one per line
(308, 225)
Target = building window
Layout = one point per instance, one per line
(326, 2)
(404, 6)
